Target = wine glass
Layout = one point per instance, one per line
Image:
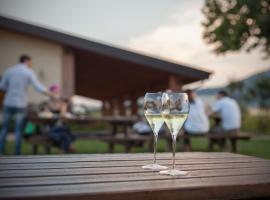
(175, 108)
(152, 112)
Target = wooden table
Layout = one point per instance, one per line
(120, 176)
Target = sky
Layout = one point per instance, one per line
(168, 29)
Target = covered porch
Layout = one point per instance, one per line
(115, 76)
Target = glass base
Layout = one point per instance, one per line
(173, 172)
(154, 167)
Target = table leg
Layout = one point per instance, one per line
(211, 144)
(128, 144)
(35, 148)
(111, 144)
(47, 149)
(233, 145)
(222, 144)
(169, 144)
(111, 147)
(151, 145)
(127, 147)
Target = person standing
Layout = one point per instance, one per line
(15, 82)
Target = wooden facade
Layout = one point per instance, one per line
(106, 73)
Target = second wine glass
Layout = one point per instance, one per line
(175, 108)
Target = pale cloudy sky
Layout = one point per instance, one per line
(170, 29)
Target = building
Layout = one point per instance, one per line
(88, 68)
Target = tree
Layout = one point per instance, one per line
(232, 25)
(236, 90)
(253, 93)
(260, 92)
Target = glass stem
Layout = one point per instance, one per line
(173, 148)
(155, 148)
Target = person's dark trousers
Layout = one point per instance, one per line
(62, 137)
(19, 115)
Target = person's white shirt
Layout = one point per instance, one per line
(197, 121)
(230, 113)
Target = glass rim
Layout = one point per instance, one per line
(165, 93)
(153, 93)
(175, 92)
(178, 93)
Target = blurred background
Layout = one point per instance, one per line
(106, 54)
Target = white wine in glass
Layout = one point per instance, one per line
(152, 112)
(155, 121)
(175, 108)
(175, 122)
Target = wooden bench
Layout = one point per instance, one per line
(40, 140)
(232, 137)
(132, 139)
(128, 141)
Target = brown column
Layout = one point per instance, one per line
(174, 83)
(109, 110)
(106, 108)
(103, 109)
(121, 106)
(68, 73)
(134, 106)
(115, 107)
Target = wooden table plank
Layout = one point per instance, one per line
(130, 169)
(98, 171)
(119, 170)
(210, 175)
(98, 164)
(249, 185)
(125, 177)
(114, 157)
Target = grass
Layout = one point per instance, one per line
(256, 123)
(258, 146)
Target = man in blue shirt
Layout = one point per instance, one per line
(15, 82)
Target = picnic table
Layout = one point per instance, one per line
(120, 176)
(118, 124)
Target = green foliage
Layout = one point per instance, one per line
(258, 124)
(234, 24)
(237, 91)
(256, 93)
(261, 91)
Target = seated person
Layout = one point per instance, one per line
(230, 115)
(229, 111)
(197, 121)
(56, 104)
(60, 134)
(142, 127)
